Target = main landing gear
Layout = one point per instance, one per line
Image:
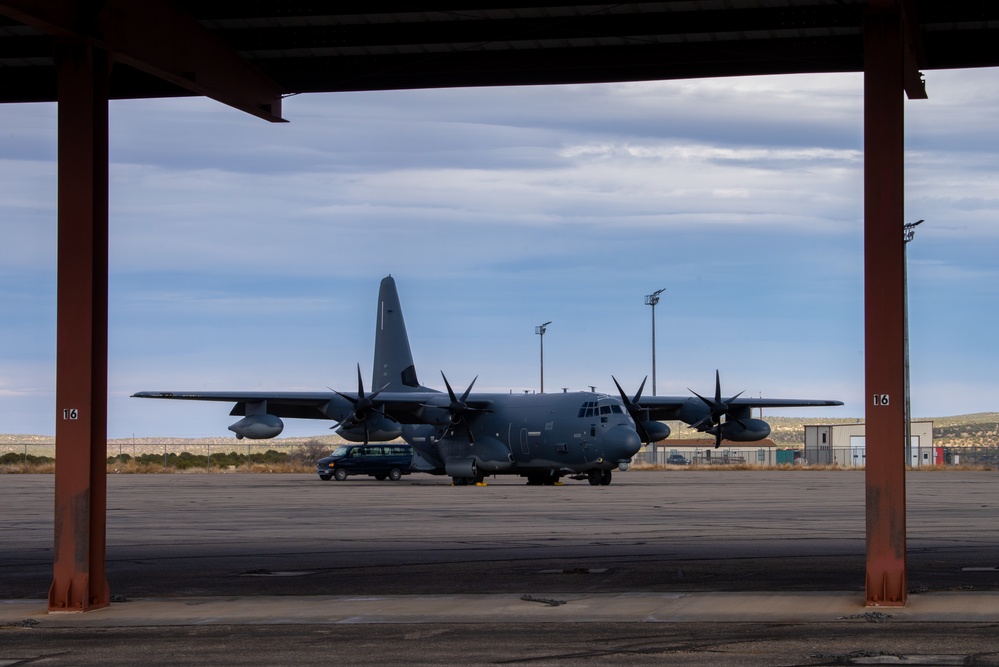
(599, 477)
(478, 480)
(548, 478)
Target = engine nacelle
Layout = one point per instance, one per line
(755, 429)
(258, 427)
(492, 455)
(461, 468)
(657, 430)
(380, 429)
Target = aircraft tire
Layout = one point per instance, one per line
(459, 481)
(595, 477)
(394, 474)
(326, 478)
(605, 478)
(380, 478)
(340, 474)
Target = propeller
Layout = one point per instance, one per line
(635, 410)
(363, 406)
(459, 409)
(719, 408)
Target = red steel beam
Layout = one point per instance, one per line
(157, 37)
(883, 307)
(79, 582)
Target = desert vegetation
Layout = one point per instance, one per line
(189, 457)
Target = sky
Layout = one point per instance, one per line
(246, 255)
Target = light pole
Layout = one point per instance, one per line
(652, 300)
(909, 233)
(540, 330)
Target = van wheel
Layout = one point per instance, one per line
(325, 478)
(340, 474)
(380, 477)
(395, 474)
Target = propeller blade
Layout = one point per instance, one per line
(641, 388)
(624, 396)
(450, 391)
(635, 410)
(718, 409)
(363, 405)
(458, 408)
(464, 396)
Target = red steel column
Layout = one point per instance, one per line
(884, 309)
(79, 582)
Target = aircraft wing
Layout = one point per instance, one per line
(663, 408)
(403, 407)
(301, 405)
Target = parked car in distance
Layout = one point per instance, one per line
(378, 461)
(676, 460)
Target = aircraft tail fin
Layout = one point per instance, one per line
(393, 366)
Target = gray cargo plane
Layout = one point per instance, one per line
(542, 437)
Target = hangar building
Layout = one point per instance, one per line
(846, 444)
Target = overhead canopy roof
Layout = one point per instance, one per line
(306, 46)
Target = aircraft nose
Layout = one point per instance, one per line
(621, 442)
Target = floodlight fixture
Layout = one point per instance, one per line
(909, 230)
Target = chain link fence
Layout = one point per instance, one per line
(242, 456)
(844, 457)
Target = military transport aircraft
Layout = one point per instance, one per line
(538, 436)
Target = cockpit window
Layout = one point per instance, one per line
(606, 407)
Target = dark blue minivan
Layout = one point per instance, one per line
(378, 461)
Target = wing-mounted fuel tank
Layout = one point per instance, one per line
(257, 424)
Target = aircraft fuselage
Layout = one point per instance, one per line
(525, 434)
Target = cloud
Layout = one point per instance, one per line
(247, 255)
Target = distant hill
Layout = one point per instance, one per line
(975, 430)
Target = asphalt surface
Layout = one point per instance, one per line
(684, 567)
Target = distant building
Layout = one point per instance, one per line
(846, 445)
